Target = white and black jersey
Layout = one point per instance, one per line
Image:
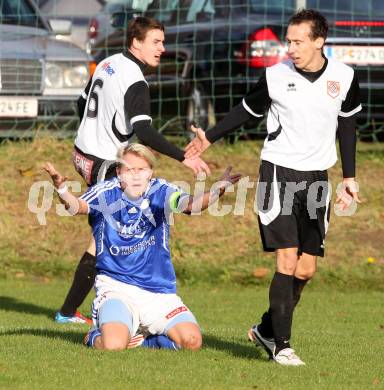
(115, 105)
(117, 97)
(303, 113)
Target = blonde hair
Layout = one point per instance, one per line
(138, 150)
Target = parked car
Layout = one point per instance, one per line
(40, 77)
(216, 52)
(79, 13)
(356, 37)
(100, 25)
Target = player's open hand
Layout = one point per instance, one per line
(198, 144)
(227, 179)
(197, 165)
(348, 194)
(57, 178)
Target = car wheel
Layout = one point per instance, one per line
(200, 111)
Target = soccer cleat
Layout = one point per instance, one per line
(90, 337)
(136, 341)
(78, 318)
(287, 357)
(267, 343)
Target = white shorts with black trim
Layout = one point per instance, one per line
(293, 208)
(154, 313)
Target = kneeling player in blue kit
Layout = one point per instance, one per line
(136, 284)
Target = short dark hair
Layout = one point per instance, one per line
(138, 28)
(319, 24)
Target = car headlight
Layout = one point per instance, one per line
(66, 75)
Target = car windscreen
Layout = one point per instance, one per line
(272, 6)
(190, 11)
(349, 9)
(135, 5)
(19, 12)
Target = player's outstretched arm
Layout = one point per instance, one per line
(204, 200)
(73, 204)
(198, 145)
(197, 165)
(138, 112)
(232, 121)
(152, 138)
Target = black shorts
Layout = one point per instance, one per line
(92, 169)
(293, 208)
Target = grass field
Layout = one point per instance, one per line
(338, 328)
(339, 335)
(233, 254)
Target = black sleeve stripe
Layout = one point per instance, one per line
(352, 102)
(245, 105)
(82, 100)
(232, 121)
(346, 132)
(152, 138)
(272, 136)
(81, 103)
(350, 113)
(87, 88)
(116, 132)
(137, 101)
(138, 118)
(258, 100)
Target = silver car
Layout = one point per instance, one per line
(101, 26)
(79, 13)
(41, 77)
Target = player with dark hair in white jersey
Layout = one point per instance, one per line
(310, 100)
(114, 106)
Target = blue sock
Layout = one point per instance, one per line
(160, 341)
(89, 339)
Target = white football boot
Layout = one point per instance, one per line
(287, 357)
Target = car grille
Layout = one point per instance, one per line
(21, 77)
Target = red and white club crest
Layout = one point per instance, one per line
(333, 88)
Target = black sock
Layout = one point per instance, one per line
(281, 308)
(82, 284)
(265, 327)
(298, 285)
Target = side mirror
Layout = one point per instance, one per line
(61, 27)
(120, 20)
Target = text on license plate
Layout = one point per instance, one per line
(360, 55)
(15, 107)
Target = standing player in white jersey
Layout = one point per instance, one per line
(136, 283)
(309, 99)
(114, 106)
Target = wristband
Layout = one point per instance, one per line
(62, 190)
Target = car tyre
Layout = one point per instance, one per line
(200, 111)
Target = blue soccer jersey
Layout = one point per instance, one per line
(132, 235)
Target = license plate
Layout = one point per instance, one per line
(18, 107)
(359, 55)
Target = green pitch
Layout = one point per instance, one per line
(340, 336)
